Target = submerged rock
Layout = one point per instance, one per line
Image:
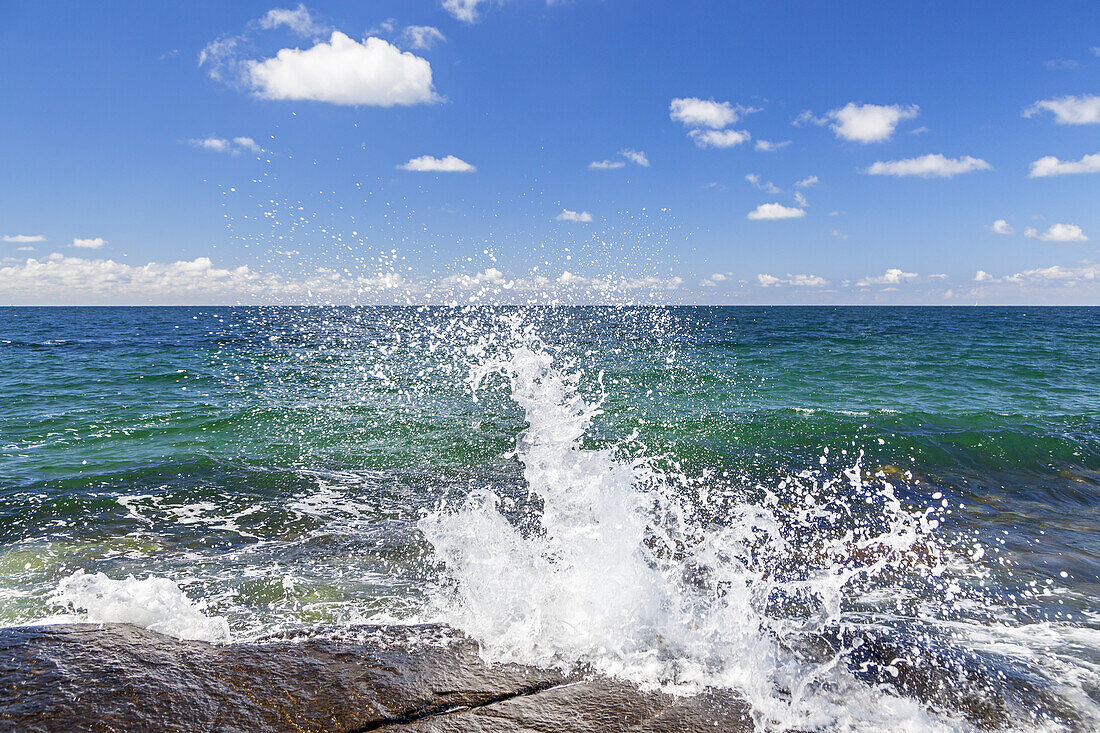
(117, 677)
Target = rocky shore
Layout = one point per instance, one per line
(116, 677)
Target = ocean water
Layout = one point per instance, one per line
(858, 518)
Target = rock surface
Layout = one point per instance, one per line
(116, 677)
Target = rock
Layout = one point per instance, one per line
(117, 677)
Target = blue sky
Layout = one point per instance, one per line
(288, 165)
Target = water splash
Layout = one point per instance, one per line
(810, 600)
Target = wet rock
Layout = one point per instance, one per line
(116, 677)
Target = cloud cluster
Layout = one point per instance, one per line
(430, 164)
(1057, 233)
(707, 118)
(928, 166)
(1052, 166)
(798, 281)
(24, 238)
(1001, 227)
(200, 281)
(1069, 110)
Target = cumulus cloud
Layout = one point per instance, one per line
(345, 71)
(223, 145)
(755, 180)
(638, 157)
(695, 112)
(24, 238)
(868, 123)
(807, 182)
(1052, 166)
(423, 36)
(89, 243)
(429, 164)
(719, 138)
(892, 276)
(582, 217)
(1069, 110)
(1000, 227)
(928, 166)
(766, 146)
(798, 281)
(298, 20)
(606, 165)
(981, 276)
(1058, 233)
(714, 279)
(775, 211)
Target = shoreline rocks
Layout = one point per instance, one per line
(118, 677)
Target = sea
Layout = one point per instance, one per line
(856, 518)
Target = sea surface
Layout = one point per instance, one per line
(859, 518)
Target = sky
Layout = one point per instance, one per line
(454, 151)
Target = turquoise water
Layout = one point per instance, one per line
(277, 464)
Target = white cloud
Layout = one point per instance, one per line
(578, 216)
(60, 279)
(1000, 227)
(800, 199)
(695, 112)
(776, 211)
(893, 276)
(422, 36)
(223, 145)
(628, 155)
(1069, 110)
(868, 123)
(798, 281)
(429, 164)
(713, 280)
(1052, 166)
(766, 146)
(90, 243)
(807, 182)
(981, 276)
(23, 238)
(344, 71)
(718, 138)
(298, 20)
(769, 186)
(928, 166)
(1055, 274)
(465, 10)
(1058, 233)
(221, 57)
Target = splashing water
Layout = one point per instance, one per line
(799, 598)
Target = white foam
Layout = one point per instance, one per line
(153, 603)
(624, 578)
